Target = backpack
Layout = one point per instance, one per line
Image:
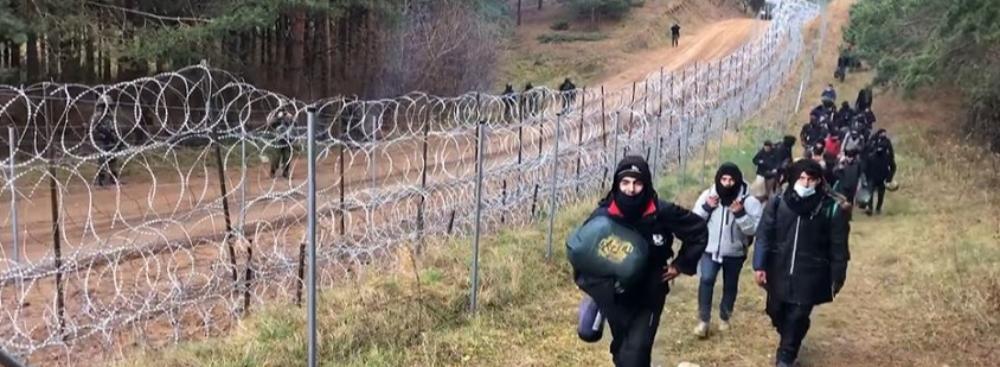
(603, 248)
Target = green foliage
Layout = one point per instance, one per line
(11, 27)
(609, 8)
(915, 43)
(571, 37)
(919, 43)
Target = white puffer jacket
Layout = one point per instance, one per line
(728, 235)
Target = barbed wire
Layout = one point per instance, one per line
(163, 208)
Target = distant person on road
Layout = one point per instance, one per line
(108, 142)
(568, 90)
(801, 255)
(732, 215)
(675, 34)
(634, 314)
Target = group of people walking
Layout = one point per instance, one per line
(796, 214)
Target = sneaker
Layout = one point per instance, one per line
(701, 331)
(724, 325)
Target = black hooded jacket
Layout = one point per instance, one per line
(802, 244)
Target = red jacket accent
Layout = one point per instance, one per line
(614, 211)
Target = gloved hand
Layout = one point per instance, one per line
(838, 282)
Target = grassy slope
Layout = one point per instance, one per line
(923, 286)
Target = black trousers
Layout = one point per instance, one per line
(633, 317)
(674, 40)
(282, 161)
(879, 191)
(791, 320)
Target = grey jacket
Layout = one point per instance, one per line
(728, 234)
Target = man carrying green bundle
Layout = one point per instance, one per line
(632, 303)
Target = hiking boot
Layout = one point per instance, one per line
(724, 325)
(701, 331)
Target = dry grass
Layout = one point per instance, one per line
(386, 317)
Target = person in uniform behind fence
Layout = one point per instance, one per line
(281, 158)
(529, 101)
(508, 103)
(568, 90)
(108, 142)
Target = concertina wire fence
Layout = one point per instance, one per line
(197, 231)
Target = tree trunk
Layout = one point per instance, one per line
(50, 53)
(273, 58)
(298, 49)
(106, 63)
(367, 73)
(89, 58)
(16, 61)
(518, 12)
(344, 49)
(5, 47)
(312, 70)
(325, 58)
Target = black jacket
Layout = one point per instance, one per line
(766, 162)
(848, 177)
(880, 167)
(804, 256)
(659, 225)
(104, 134)
(811, 134)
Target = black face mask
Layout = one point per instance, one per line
(632, 207)
(727, 194)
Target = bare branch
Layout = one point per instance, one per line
(149, 15)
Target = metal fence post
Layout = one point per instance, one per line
(555, 181)
(479, 212)
(311, 233)
(13, 196)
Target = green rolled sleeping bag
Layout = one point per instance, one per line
(603, 248)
